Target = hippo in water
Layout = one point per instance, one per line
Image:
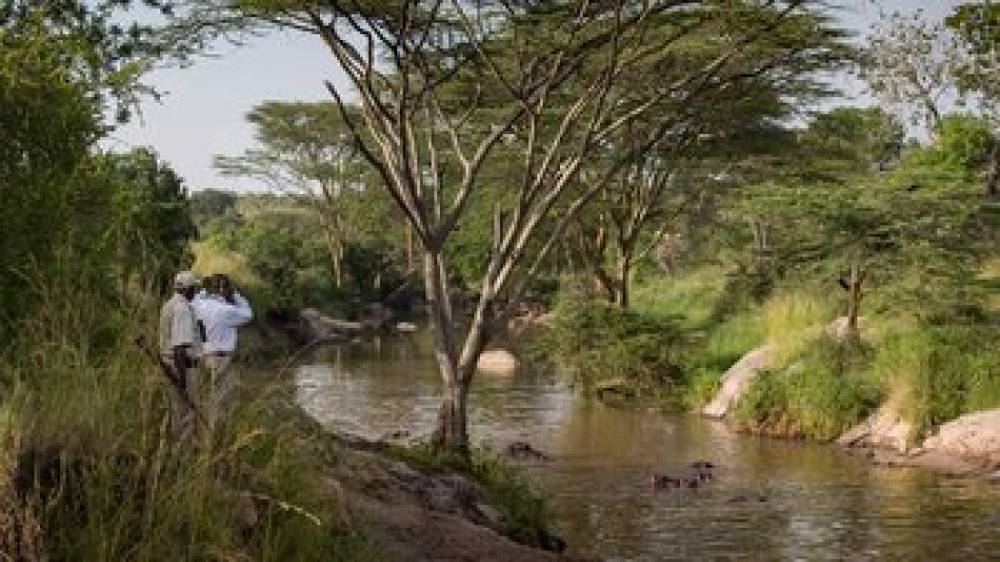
(524, 450)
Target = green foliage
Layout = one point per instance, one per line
(284, 251)
(819, 396)
(848, 138)
(937, 373)
(964, 143)
(87, 413)
(600, 343)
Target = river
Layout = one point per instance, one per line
(769, 500)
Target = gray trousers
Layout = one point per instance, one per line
(183, 418)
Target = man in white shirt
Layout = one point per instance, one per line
(221, 310)
(181, 347)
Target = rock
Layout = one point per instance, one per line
(320, 327)
(406, 327)
(614, 389)
(737, 380)
(974, 437)
(551, 542)
(885, 428)
(492, 515)
(837, 329)
(529, 319)
(497, 362)
(375, 316)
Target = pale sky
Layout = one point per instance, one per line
(202, 112)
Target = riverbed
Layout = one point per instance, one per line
(769, 499)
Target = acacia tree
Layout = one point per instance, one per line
(308, 149)
(911, 64)
(443, 84)
(978, 27)
(634, 213)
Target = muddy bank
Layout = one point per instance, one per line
(410, 513)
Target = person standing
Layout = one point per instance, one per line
(221, 310)
(181, 347)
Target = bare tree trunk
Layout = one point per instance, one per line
(451, 434)
(854, 301)
(624, 277)
(409, 248)
(993, 173)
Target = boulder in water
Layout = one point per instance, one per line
(318, 326)
(886, 428)
(974, 437)
(497, 362)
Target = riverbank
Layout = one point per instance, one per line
(786, 366)
(91, 470)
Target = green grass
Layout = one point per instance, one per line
(819, 397)
(937, 373)
(103, 479)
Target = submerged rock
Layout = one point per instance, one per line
(886, 428)
(323, 328)
(737, 380)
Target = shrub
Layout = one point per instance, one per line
(600, 342)
(938, 373)
(819, 396)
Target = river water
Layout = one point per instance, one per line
(769, 500)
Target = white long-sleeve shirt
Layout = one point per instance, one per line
(221, 320)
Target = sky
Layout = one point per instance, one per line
(202, 112)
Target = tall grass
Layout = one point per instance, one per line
(937, 373)
(793, 321)
(92, 472)
(819, 397)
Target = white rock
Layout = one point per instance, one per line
(737, 380)
(974, 436)
(497, 362)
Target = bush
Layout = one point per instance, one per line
(819, 397)
(599, 343)
(794, 321)
(939, 373)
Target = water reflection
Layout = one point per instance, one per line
(818, 504)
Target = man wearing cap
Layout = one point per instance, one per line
(221, 310)
(181, 347)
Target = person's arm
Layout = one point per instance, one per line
(240, 312)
